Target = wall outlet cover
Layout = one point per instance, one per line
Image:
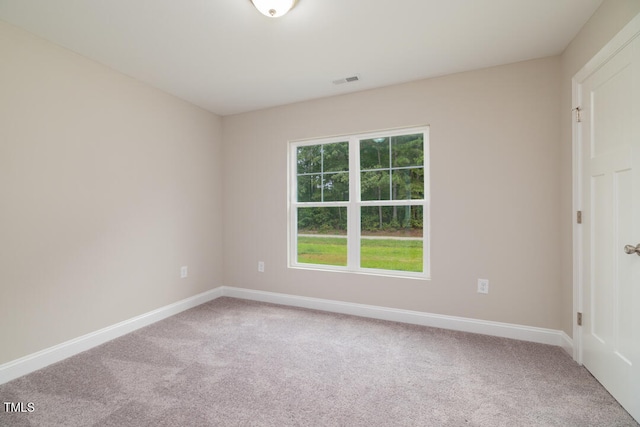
(483, 286)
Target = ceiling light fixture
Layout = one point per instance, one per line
(273, 8)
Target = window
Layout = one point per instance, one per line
(361, 203)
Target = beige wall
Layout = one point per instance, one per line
(605, 23)
(107, 187)
(494, 182)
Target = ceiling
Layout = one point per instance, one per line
(226, 57)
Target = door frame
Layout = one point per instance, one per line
(617, 43)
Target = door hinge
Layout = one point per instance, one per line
(579, 319)
(578, 111)
(579, 217)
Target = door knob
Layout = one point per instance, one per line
(630, 249)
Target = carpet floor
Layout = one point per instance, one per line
(232, 362)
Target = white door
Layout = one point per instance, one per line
(608, 92)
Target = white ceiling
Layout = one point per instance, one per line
(227, 58)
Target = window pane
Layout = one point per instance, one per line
(309, 188)
(335, 157)
(374, 185)
(407, 150)
(374, 153)
(336, 187)
(309, 159)
(408, 184)
(323, 172)
(392, 238)
(322, 236)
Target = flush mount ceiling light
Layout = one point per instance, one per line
(273, 8)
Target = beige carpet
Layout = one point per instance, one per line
(239, 363)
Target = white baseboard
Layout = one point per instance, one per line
(567, 343)
(46, 357)
(33, 362)
(505, 330)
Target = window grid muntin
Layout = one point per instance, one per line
(322, 173)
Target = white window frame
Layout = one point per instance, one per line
(354, 204)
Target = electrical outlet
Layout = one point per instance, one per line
(184, 272)
(261, 266)
(483, 286)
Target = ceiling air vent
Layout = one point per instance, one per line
(349, 79)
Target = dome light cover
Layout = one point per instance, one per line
(273, 8)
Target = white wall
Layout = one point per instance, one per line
(107, 187)
(605, 23)
(494, 182)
